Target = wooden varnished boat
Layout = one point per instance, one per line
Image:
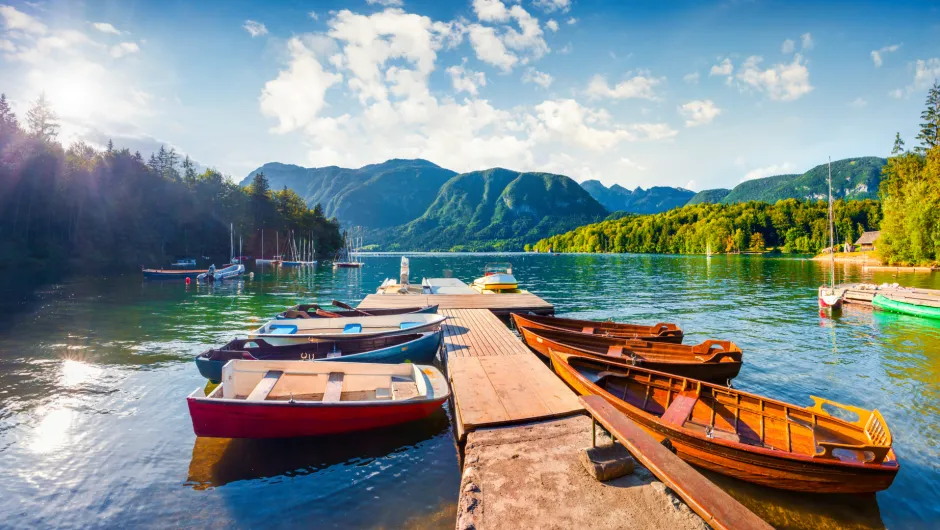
(744, 435)
(713, 360)
(661, 332)
(315, 311)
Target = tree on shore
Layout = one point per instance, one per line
(42, 120)
(930, 130)
(898, 144)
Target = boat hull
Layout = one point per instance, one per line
(230, 419)
(422, 350)
(162, 274)
(658, 333)
(759, 466)
(886, 304)
(720, 369)
(283, 340)
(431, 309)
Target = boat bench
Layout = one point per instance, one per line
(265, 386)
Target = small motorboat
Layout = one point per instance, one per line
(713, 360)
(292, 331)
(497, 278)
(315, 311)
(412, 347)
(745, 435)
(229, 271)
(907, 306)
(662, 332)
(288, 399)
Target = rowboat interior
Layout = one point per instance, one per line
(252, 349)
(326, 382)
(349, 325)
(726, 414)
(663, 330)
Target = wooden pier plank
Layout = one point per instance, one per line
(498, 303)
(519, 398)
(710, 502)
(474, 395)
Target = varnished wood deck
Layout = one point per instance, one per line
(500, 304)
(494, 378)
(856, 294)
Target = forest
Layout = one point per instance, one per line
(789, 226)
(110, 210)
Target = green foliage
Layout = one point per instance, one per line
(81, 208)
(791, 225)
(898, 145)
(42, 120)
(709, 196)
(852, 178)
(910, 191)
(930, 130)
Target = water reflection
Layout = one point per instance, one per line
(52, 433)
(219, 461)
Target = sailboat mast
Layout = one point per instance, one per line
(832, 245)
(262, 243)
(231, 242)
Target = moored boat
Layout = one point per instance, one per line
(661, 332)
(713, 360)
(315, 311)
(188, 264)
(497, 277)
(412, 347)
(165, 274)
(213, 275)
(287, 399)
(292, 331)
(744, 435)
(886, 303)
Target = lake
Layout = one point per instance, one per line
(94, 371)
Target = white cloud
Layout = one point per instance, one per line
(552, 24)
(17, 20)
(691, 185)
(490, 49)
(806, 42)
(124, 49)
(465, 80)
(572, 21)
(255, 29)
(769, 171)
(568, 120)
(566, 49)
(788, 46)
(781, 82)
(542, 79)
(386, 3)
(297, 95)
(699, 112)
(104, 27)
(858, 102)
(313, 15)
(641, 85)
(530, 39)
(631, 164)
(550, 6)
(7, 46)
(925, 73)
(692, 78)
(722, 68)
(877, 55)
(490, 10)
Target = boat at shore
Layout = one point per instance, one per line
(744, 435)
(661, 332)
(830, 297)
(497, 278)
(412, 347)
(713, 360)
(292, 331)
(918, 308)
(289, 399)
(315, 311)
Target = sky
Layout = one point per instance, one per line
(698, 95)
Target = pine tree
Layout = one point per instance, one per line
(189, 170)
(930, 130)
(138, 157)
(110, 146)
(172, 158)
(260, 186)
(898, 145)
(8, 123)
(41, 120)
(161, 161)
(154, 164)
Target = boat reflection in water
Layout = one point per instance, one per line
(219, 461)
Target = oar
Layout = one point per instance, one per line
(337, 303)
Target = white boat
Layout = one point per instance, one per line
(230, 271)
(497, 277)
(292, 331)
(184, 264)
(829, 296)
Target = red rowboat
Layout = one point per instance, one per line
(287, 399)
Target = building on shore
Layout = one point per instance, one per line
(866, 242)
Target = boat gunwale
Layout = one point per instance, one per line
(656, 330)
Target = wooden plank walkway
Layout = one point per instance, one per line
(863, 294)
(710, 502)
(499, 304)
(494, 378)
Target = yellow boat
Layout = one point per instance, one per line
(497, 277)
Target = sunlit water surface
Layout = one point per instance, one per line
(94, 430)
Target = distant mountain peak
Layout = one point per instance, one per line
(653, 200)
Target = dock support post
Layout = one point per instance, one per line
(593, 432)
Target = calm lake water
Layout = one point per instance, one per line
(94, 429)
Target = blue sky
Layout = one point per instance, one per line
(691, 94)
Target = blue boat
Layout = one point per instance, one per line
(165, 274)
(418, 348)
(315, 311)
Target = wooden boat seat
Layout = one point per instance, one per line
(334, 388)
(407, 325)
(680, 409)
(282, 329)
(717, 433)
(589, 331)
(326, 314)
(615, 351)
(265, 386)
(404, 390)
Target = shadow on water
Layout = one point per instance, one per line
(220, 461)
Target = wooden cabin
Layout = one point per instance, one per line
(866, 243)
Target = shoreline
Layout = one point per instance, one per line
(873, 264)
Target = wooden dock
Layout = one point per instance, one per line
(499, 304)
(860, 293)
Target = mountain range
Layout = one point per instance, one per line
(418, 205)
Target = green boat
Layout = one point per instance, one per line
(905, 308)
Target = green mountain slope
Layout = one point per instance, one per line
(653, 200)
(498, 209)
(852, 178)
(709, 196)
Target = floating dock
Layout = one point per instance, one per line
(863, 294)
(522, 431)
